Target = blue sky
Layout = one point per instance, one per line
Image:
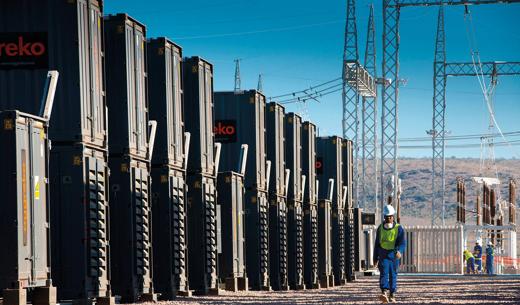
(297, 44)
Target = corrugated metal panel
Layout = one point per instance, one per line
(74, 31)
(127, 85)
(246, 113)
(198, 108)
(202, 237)
(79, 217)
(24, 224)
(169, 228)
(130, 211)
(166, 101)
(232, 262)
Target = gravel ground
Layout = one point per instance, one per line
(412, 290)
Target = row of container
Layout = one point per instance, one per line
(243, 194)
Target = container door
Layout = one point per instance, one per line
(131, 87)
(141, 96)
(97, 221)
(24, 203)
(208, 116)
(86, 68)
(260, 139)
(174, 105)
(178, 109)
(98, 123)
(38, 217)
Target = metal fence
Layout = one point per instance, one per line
(433, 249)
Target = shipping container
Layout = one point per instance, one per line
(232, 263)
(130, 225)
(310, 206)
(24, 212)
(170, 276)
(127, 89)
(240, 119)
(325, 257)
(351, 251)
(275, 141)
(202, 233)
(198, 109)
(80, 223)
(56, 35)
(166, 101)
(293, 138)
(329, 165)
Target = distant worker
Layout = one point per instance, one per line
(470, 262)
(477, 253)
(389, 246)
(490, 255)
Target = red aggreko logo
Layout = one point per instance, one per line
(318, 165)
(225, 131)
(23, 51)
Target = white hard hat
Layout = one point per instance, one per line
(479, 242)
(388, 210)
(490, 243)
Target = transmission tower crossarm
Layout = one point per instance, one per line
(485, 68)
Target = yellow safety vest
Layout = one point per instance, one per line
(467, 255)
(387, 238)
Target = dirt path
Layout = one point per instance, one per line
(412, 290)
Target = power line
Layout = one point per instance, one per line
(304, 90)
(462, 137)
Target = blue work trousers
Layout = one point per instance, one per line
(470, 268)
(388, 268)
(478, 263)
(489, 266)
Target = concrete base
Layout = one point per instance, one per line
(298, 287)
(327, 281)
(185, 293)
(149, 297)
(15, 297)
(106, 301)
(243, 283)
(236, 283)
(44, 296)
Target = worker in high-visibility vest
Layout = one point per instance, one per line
(389, 246)
(490, 255)
(470, 262)
(477, 253)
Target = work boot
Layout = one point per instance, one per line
(383, 297)
(392, 299)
